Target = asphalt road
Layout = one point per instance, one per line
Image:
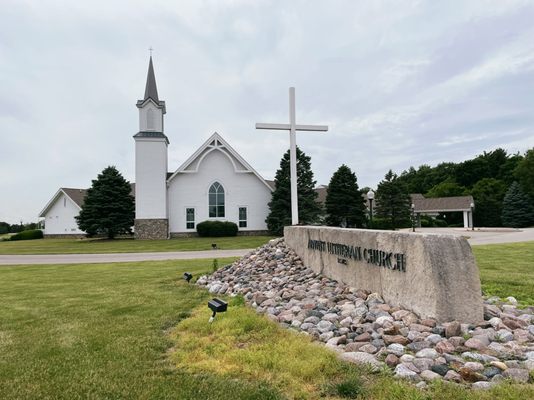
(116, 257)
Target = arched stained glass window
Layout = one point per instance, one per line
(216, 201)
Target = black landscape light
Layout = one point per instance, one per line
(214, 246)
(188, 276)
(217, 305)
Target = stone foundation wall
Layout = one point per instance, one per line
(239, 233)
(151, 229)
(433, 275)
(65, 236)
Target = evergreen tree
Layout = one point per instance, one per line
(392, 201)
(280, 204)
(517, 211)
(524, 173)
(109, 207)
(345, 205)
(488, 194)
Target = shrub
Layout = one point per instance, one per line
(216, 228)
(440, 223)
(28, 235)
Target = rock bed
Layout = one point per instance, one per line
(366, 330)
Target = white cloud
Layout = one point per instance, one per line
(399, 85)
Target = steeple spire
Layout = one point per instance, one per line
(151, 91)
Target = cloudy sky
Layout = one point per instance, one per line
(400, 83)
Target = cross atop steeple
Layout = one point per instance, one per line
(151, 50)
(151, 90)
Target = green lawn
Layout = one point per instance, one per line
(507, 270)
(73, 246)
(138, 331)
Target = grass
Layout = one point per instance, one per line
(137, 330)
(243, 345)
(507, 270)
(86, 246)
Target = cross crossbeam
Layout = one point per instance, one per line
(292, 127)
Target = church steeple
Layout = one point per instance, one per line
(151, 108)
(151, 90)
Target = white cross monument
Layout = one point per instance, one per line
(292, 127)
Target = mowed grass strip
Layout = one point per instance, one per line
(138, 331)
(241, 344)
(94, 246)
(100, 331)
(507, 270)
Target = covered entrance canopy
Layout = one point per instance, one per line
(434, 206)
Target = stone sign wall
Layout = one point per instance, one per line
(434, 275)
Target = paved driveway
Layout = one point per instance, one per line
(485, 235)
(478, 236)
(116, 257)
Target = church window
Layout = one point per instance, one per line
(242, 217)
(64, 202)
(216, 201)
(190, 218)
(150, 120)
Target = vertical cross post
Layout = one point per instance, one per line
(292, 127)
(293, 158)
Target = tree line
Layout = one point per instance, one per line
(501, 184)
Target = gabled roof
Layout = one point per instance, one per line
(441, 204)
(76, 195)
(217, 143)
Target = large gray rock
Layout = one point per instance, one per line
(434, 275)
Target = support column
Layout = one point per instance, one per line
(466, 219)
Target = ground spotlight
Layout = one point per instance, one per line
(188, 276)
(217, 305)
(214, 246)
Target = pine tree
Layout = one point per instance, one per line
(345, 205)
(280, 204)
(517, 211)
(109, 207)
(392, 201)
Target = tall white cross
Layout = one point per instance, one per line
(292, 127)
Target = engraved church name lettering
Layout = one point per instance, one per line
(380, 258)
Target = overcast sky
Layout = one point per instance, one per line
(399, 83)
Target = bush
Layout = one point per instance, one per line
(216, 229)
(440, 223)
(28, 235)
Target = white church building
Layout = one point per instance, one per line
(215, 183)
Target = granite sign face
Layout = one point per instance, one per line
(434, 275)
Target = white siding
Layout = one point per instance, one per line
(150, 178)
(241, 190)
(157, 114)
(59, 220)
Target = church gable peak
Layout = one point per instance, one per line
(217, 143)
